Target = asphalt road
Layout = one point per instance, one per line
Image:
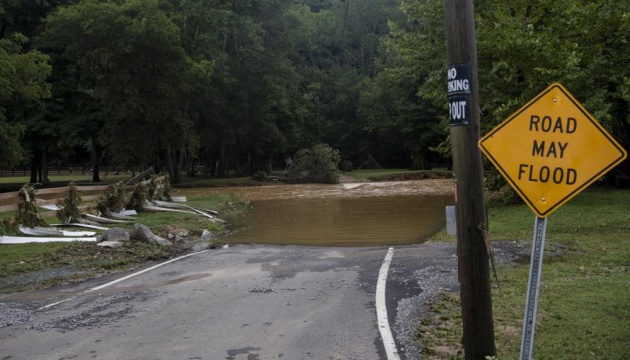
(246, 302)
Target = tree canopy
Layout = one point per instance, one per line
(237, 86)
(523, 47)
(23, 86)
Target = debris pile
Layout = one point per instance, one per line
(119, 204)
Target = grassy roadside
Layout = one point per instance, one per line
(38, 265)
(399, 174)
(13, 183)
(584, 303)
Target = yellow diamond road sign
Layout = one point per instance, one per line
(551, 149)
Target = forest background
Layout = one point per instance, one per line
(238, 86)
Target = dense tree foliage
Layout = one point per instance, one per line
(524, 46)
(238, 85)
(23, 87)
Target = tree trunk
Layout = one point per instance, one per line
(250, 161)
(180, 162)
(172, 171)
(96, 159)
(191, 170)
(213, 163)
(43, 179)
(34, 167)
(221, 171)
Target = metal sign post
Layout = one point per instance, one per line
(533, 288)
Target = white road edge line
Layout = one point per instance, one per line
(381, 309)
(122, 279)
(143, 271)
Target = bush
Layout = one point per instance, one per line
(69, 213)
(114, 199)
(27, 214)
(260, 176)
(138, 197)
(494, 181)
(159, 190)
(315, 165)
(499, 192)
(346, 165)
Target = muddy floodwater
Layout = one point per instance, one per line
(348, 214)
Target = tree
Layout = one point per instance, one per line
(523, 47)
(246, 107)
(128, 58)
(240, 84)
(407, 126)
(24, 17)
(339, 53)
(22, 84)
(317, 164)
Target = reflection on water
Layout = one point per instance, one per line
(341, 221)
(349, 214)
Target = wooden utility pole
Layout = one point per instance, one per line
(472, 220)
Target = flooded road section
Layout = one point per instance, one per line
(348, 214)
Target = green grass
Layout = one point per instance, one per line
(389, 174)
(226, 204)
(364, 174)
(206, 181)
(32, 266)
(584, 303)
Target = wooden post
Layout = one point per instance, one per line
(472, 223)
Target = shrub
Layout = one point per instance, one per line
(159, 190)
(138, 197)
(498, 191)
(27, 214)
(346, 165)
(69, 213)
(260, 176)
(315, 165)
(114, 199)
